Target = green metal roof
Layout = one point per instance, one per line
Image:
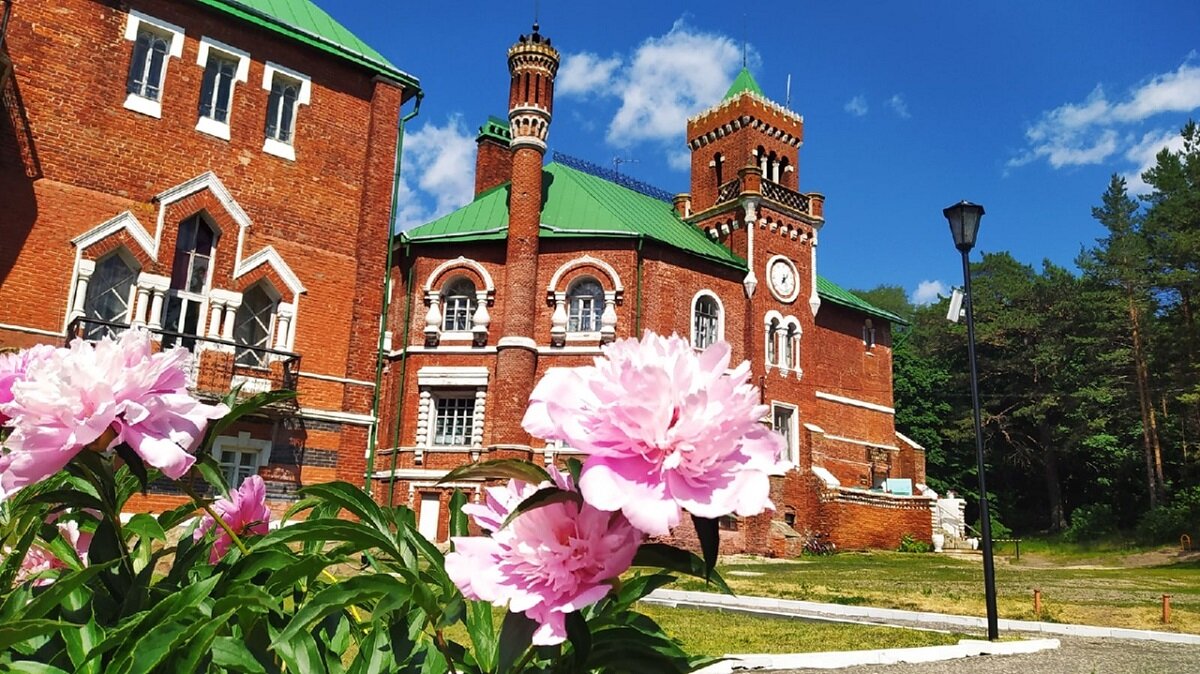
(838, 295)
(577, 205)
(304, 21)
(743, 82)
(581, 205)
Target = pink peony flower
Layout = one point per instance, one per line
(548, 562)
(39, 560)
(245, 511)
(664, 428)
(97, 395)
(12, 370)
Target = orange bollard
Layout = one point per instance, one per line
(1166, 617)
(1037, 603)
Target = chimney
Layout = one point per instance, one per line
(493, 159)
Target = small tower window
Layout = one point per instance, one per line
(868, 334)
(773, 342)
(791, 351)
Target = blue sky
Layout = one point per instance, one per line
(1025, 107)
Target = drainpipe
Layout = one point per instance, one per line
(403, 376)
(373, 438)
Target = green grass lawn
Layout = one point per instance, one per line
(1098, 587)
(719, 633)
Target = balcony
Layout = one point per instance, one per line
(218, 365)
(771, 191)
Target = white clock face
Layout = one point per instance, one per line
(783, 279)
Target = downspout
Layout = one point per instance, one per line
(373, 438)
(637, 316)
(403, 377)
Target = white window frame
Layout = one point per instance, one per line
(473, 302)
(789, 349)
(793, 434)
(441, 395)
(131, 296)
(868, 335)
(207, 47)
(272, 322)
(719, 335)
(186, 297)
(241, 444)
(271, 145)
(174, 35)
(771, 341)
(598, 316)
(436, 382)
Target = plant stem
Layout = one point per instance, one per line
(439, 639)
(524, 660)
(187, 489)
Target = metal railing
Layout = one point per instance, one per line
(218, 365)
(729, 190)
(782, 195)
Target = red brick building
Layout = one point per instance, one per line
(550, 262)
(218, 171)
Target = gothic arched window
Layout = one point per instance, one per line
(706, 321)
(109, 294)
(459, 302)
(585, 305)
(773, 342)
(252, 326)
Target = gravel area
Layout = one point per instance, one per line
(1075, 656)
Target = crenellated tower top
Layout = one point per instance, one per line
(533, 64)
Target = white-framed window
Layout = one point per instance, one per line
(459, 301)
(585, 305)
(191, 274)
(868, 334)
(772, 346)
(240, 457)
(453, 419)
(155, 42)
(224, 67)
(791, 346)
(110, 293)
(707, 320)
(253, 325)
(288, 90)
(785, 421)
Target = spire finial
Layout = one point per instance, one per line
(745, 39)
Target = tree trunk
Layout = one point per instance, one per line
(1058, 519)
(1151, 447)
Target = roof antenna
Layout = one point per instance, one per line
(618, 160)
(745, 39)
(788, 98)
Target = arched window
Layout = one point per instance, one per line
(458, 300)
(189, 278)
(869, 334)
(109, 294)
(791, 349)
(706, 321)
(252, 326)
(773, 342)
(585, 305)
(718, 165)
(148, 63)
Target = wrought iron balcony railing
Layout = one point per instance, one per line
(770, 190)
(729, 190)
(218, 365)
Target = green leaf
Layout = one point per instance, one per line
(352, 591)
(135, 464)
(16, 631)
(374, 656)
(351, 499)
(580, 637)
(146, 526)
(210, 470)
(71, 498)
(54, 594)
(200, 644)
(80, 643)
(639, 586)
(680, 561)
(458, 519)
(144, 654)
(231, 652)
(540, 498)
(321, 531)
(482, 632)
(30, 667)
(709, 534)
(575, 468)
(516, 636)
(498, 470)
(299, 653)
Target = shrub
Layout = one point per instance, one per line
(910, 544)
(1090, 522)
(999, 530)
(1166, 523)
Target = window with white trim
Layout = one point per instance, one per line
(773, 342)
(288, 90)
(868, 334)
(454, 419)
(706, 321)
(154, 43)
(458, 305)
(253, 325)
(224, 67)
(585, 305)
(783, 420)
(791, 347)
(110, 294)
(190, 276)
(240, 457)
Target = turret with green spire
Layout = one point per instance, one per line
(743, 82)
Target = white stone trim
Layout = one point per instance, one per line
(242, 441)
(591, 350)
(707, 292)
(337, 416)
(205, 181)
(814, 428)
(270, 257)
(909, 441)
(826, 477)
(417, 348)
(465, 376)
(269, 70)
(793, 451)
(864, 443)
(514, 341)
(279, 149)
(814, 297)
(32, 331)
(412, 474)
(584, 261)
(133, 22)
(488, 284)
(124, 220)
(339, 380)
(209, 125)
(855, 402)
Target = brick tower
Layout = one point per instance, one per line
(532, 64)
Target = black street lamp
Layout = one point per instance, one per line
(964, 220)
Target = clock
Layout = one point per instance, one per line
(782, 275)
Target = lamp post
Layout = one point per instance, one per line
(964, 220)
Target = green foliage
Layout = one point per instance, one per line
(148, 599)
(1166, 523)
(910, 544)
(999, 530)
(1091, 522)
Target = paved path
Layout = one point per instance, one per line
(1076, 655)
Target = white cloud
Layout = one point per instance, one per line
(1144, 154)
(1096, 129)
(928, 292)
(680, 160)
(585, 73)
(857, 106)
(441, 162)
(899, 106)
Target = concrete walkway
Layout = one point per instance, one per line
(888, 616)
